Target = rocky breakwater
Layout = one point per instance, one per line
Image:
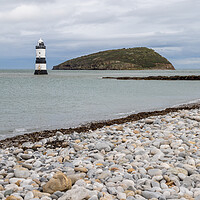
(164, 78)
(153, 158)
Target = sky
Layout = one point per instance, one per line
(73, 28)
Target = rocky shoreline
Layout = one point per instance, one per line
(37, 136)
(150, 155)
(168, 78)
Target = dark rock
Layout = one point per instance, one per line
(58, 193)
(8, 192)
(168, 78)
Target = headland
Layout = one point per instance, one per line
(140, 58)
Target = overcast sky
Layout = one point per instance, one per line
(71, 28)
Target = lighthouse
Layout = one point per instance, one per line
(40, 63)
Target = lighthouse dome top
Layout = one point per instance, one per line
(40, 41)
(40, 44)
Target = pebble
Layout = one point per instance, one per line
(181, 176)
(21, 172)
(157, 158)
(150, 195)
(26, 156)
(29, 195)
(154, 172)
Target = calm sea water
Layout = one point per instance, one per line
(65, 99)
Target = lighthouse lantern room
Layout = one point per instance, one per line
(40, 63)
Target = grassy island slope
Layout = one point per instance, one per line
(140, 58)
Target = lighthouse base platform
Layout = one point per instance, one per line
(40, 72)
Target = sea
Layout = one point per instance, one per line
(64, 99)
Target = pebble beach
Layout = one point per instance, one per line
(155, 158)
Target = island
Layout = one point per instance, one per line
(139, 58)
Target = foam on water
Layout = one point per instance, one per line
(125, 114)
(194, 101)
(19, 130)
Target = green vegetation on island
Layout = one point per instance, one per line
(139, 58)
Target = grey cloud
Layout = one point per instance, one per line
(74, 27)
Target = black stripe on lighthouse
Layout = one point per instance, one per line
(40, 61)
(40, 72)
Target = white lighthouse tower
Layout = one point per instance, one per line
(40, 63)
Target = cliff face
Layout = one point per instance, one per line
(140, 58)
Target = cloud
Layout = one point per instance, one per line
(190, 61)
(19, 14)
(71, 28)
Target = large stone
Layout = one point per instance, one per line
(76, 193)
(59, 182)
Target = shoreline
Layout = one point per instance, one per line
(17, 140)
(155, 157)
